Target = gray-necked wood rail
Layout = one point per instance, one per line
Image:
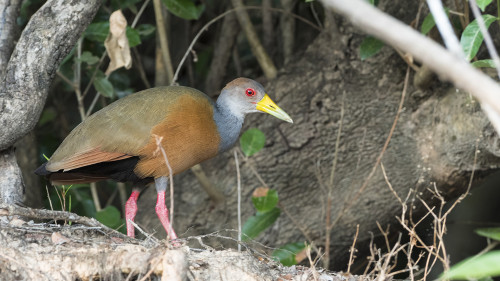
(118, 142)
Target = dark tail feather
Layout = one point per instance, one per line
(120, 170)
(41, 171)
(74, 178)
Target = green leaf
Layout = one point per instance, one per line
(369, 47)
(429, 23)
(258, 223)
(267, 201)
(484, 63)
(133, 37)
(97, 31)
(251, 141)
(146, 30)
(184, 9)
(287, 254)
(109, 216)
(490, 232)
(482, 4)
(485, 265)
(103, 86)
(472, 38)
(88, 58)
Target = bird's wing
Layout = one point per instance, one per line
(118, 131)
(85, 158)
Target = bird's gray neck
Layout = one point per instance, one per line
(228, 124)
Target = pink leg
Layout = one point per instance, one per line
(130, 211)
(162, 212)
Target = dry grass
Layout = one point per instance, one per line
(382, 265)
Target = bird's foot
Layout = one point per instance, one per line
(162, 212)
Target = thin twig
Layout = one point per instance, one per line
(147, 235)
(48, 197)
(138, 64)
(238, 181)
(385, 233)
(312, 265)
(94, 74)
(139, 13)
(329, 199)
(352, 250)
(389, 184)
(78, 78)
(65, 79)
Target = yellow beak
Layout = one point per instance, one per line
(267, 105)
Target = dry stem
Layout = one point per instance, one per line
(162, 34)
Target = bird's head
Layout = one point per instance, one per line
(243, 96)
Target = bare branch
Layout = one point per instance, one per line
(399, 35)
(33, 64)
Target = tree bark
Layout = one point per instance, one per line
(42, 46)
(8, 30)
(11, 184)
(80, 253)
(32, 66)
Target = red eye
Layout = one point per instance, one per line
(250, 92)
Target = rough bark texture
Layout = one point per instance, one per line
(43, 44)
(27, 158)
(32, 66)
(80, 253)
(11, 184)
(434, 142)
(9, 10)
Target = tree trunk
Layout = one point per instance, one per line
(32, 66)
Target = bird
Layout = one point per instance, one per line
(121, 141)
